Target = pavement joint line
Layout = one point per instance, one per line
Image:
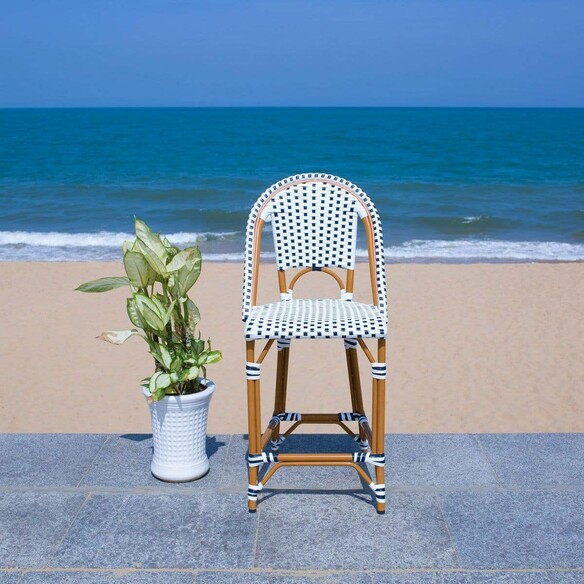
(256, 538)
(90, 465)
(51, 555)
(478, 442)
(129, 571)
(450, 538)
(240, 490)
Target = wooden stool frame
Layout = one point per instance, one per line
(369, 436)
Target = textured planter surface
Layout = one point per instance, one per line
(179, 428)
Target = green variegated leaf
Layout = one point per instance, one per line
(158, 380)
(139, 271)
(211, 357)
(103, 284)
(159, 393)
(149, 312)
(128, 246)
(176, 365)
(191, 373)
(162, 311)
(198, 345)
(179, 260)
(153, 259)
(135, 318)
(186, 276)
(172, 250)
(194, 316)
(165, 355)
(117, 337)
(150, 239)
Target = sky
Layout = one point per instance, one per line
(142, 53)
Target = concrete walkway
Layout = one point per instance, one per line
(461, 509)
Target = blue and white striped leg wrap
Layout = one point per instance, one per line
(259, 459)
(253, 491)
(283, 344)
(350, 344)
(352, 417)
(252, 370)
(378, 491)
(378, 370)
(375, 459)
(288, 417)
(275, 444)
(364, 444)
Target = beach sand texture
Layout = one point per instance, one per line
(472, 348)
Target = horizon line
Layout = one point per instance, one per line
(79, 107)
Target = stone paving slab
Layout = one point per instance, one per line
(32, 525)
(280, 578)
(160, 531)
(329, 532)
(142, 577)
(10, 578)
(56, 460)
(464, 578)
(528, 529)
(452, 461)
(259, 577)
(566, 577)
(536, 460)
(461, 509)
(124, 462)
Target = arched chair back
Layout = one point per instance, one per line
(314, 219)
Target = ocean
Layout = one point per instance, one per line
(451, 185)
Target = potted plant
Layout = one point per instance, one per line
(160, 276)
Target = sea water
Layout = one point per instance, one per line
(450, 184)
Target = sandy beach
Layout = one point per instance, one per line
(472, 348)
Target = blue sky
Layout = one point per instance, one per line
(62, 53)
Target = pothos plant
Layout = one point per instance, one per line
(160, 276)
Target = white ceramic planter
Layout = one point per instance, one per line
(179, 428)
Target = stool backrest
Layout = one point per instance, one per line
(314, 221)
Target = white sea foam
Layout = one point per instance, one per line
(483, 250)
(99, 239)
(105, 246)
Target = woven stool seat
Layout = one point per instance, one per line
(315, 319)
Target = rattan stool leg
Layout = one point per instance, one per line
(279, 405)
(379, 422)
(254, 421)
(355, 387)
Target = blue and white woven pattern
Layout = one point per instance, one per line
(314, 219)
(312, 319)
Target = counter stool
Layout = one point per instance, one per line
(314, 219)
